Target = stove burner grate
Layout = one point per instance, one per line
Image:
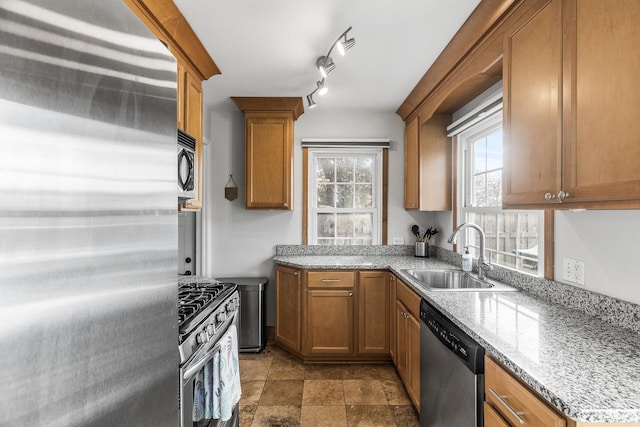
(194, 297)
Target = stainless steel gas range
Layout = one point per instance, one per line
(208, 312)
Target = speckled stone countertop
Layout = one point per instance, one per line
(587, 368)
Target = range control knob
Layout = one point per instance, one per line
(211, 329)
(221, 317)
(202, 337)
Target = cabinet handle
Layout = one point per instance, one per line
(506, 405)
(330, 280)
(549, 196)
(350, 294)
(563, 195)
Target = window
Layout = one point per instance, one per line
(514, 239)
(345, 196)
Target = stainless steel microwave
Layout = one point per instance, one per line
(186, 165)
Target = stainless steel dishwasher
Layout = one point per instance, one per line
(451, 373)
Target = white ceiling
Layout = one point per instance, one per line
(269, 47)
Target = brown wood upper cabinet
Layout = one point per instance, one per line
(165, 20)
(269, 150)
(190, 120)
(427, 164)
(571, 128)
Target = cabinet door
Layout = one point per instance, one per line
(393, 341)
(411, 165)
(269, 158)
(288, 302)
(601, 148)
(401, 340)
(329, 328)
(373, 312)
(532, 125)
(412, 381)
(435, 164)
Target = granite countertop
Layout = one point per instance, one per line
(587, 368)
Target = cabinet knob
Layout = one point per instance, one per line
(295, 273)
(350, 294)
(549, 196)
(563, 195)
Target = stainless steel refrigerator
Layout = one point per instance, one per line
(88, 220)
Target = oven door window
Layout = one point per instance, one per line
(185, 170)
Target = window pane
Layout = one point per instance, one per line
(325, 241)
(479, 155)
(325, 170)
(364, 196)
(326, 225)
(363, 169)
(479, 191)
(345, 225)
(344, 170)
(363, 225)
(494, 150)
(326, 195)
(511, 239)
(494, 188)
(344, 198)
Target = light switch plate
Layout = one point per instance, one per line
(398, 240)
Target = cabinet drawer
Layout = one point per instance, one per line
(492, 418)
(511, 400)
(331, 279)
(409, 298)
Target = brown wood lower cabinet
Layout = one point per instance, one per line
(288, 307)
(341, 315)
(407, 350)
(513, 402)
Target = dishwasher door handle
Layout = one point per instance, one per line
(515, 414)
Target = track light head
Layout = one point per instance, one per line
(310, 102)
(344, 45)
(325, 65)
(321, 88)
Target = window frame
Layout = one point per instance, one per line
(464, 156)
(309, 229)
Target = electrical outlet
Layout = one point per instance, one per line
(578, 272)
(398, 240)
(573, 271)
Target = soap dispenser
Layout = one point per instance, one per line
(467, 260)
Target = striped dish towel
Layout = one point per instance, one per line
(230, 391)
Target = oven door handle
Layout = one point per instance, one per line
(199, 360)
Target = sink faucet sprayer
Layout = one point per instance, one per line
(482, 262)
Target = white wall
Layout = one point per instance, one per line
(238, 242)
(607, 241)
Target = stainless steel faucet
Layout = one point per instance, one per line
(483, 263)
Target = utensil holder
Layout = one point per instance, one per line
(422, 249)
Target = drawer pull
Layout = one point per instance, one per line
(506, 405)
(330, 280)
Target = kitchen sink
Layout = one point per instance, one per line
(456, 280)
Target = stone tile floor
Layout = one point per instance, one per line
(280, 391)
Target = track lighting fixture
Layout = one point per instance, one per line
(325, 64)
